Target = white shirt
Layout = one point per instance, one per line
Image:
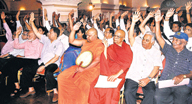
(143, 61)
(50, 50)
(65, 40)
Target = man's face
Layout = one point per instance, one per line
(51, 35)
(107, 33)
(147, 41)
(177, 43)
(175, 28)
(91, 36)
(118, 38)
(188, 31)
(24, 35)
(31, 36)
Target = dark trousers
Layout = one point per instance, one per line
(131, 90)
(173, 95)
(50, 79)
(29, 72)
(5, 60)
(11, 68)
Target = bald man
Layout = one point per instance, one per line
(115, 61)
(75, 90)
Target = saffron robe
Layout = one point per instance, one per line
(76, 90)
(117, 58)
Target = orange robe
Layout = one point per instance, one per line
(76, 90)
(117, 58)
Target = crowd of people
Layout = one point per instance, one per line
(131, 46)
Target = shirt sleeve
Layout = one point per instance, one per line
(117, 23)
(175, 17)
(47, 25)
(166, 29)
(122, 26)
(165, 48)
(8, 32)
(59, 51)
(157, 60)
(17, 45)
(44, 39)
(100, 33)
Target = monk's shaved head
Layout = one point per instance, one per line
(91, 34)
(121, 32)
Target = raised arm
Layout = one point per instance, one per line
(6, 27)
(167, 30)
(188, 7)
(110, 19)
(135, 18)
(33, 26)
(72, 39)
(159, 38)
(100, 33)
(26, 24)
(70, 19)
(175, 16)
(18, 21)
(57, 20)
(16, 41)
(142, 25)
(53, 19)
(47, 25)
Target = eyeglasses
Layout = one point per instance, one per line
(25, 34)
(107, 32)
(117, 36)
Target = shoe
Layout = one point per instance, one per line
(55, 98)
(27, 94)
(15, 93)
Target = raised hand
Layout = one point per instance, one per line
(17, 15)
(3, 15)
(32, 18)
(71, 12)
(45, 14)
(124, 13)
(76, 26)
(158, 16)
(151, 14)
(170, 12)
(18, 31)
(96, 16)
(178, 9)
(136, 17)
(188, 6)
(112, 14)
(53, 14)
(56, 17)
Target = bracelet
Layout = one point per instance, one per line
(188, 13)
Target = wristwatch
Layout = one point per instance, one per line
(184, 76)
(149, 78)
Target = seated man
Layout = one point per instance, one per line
(75, 90)
(178, 66)
(50, 58)
(145, 65)
(115, 61)
(32, 51)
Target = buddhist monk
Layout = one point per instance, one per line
(75, 90)
(115, 61)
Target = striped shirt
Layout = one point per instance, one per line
(176, 63)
